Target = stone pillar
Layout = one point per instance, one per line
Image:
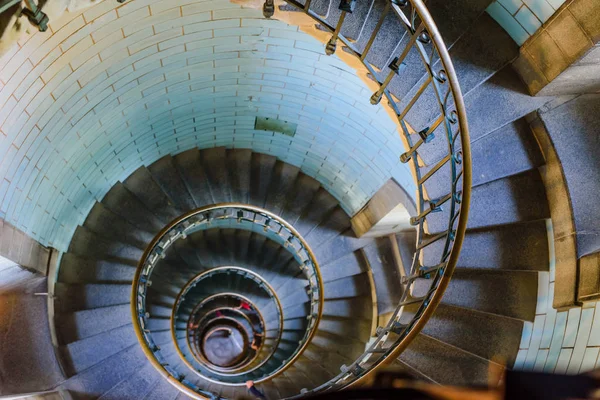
(563, 56)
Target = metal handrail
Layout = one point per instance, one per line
(228, 312)
(207, 274)
(424, 37)
(207, 217)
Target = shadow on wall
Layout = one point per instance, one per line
(27, 360)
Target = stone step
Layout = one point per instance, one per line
(520, 246)
(214, 162)
(304, 190)
(79, 269)
(262, 167)
(104, 376)
(518, 198)
(136, 386)
(282, 183)
(162, 390)
(75, 297)
(487, 335)
(165, 174)
(316, 212)
(239, 161)
(483, 50)
(83, 324)
(87, 244)
(190, 168)
(109, 225)
(508, 293)
(144, 187)
(83, 354)
(509, 150)
(445, 364)
(125, 204)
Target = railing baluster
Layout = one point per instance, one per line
(422, 273)
(432, 171)
(432, 240)
(396, 65)
(415, 98)
(434, 205)
(426, 136)
(375, 32)
(332, 44)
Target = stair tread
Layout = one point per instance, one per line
(486, 335)
(73, 297)
(284, 178)
(125, 204)
(445, 364)
(78, 269)
(105, 223)
(239, 161)
(89, 244)
(509, 293)
(102, 377)
(81, 324)
(215, 169)
(144, 187)
(165, 174)
(190, 167)
(507, 151)
(85, 353)
(261, 173)
(304, 190)
(136, 386)
(517, 198)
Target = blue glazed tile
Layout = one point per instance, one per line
(528, 20)
(508, 22)
(512, 6)
(541, 8)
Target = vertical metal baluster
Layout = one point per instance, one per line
(375, 32)
(396, 65)
(332, 44)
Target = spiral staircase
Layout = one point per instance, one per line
(216, 266)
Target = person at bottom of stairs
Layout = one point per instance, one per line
(253, 391)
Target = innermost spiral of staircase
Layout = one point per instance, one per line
(212, 285)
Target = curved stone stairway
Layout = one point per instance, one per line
(94, 280)
(492, 292)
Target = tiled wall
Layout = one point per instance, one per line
(113, 87)
(566, 342)
(522, 18)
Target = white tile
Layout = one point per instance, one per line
(583, 335)
(543, 286)
(520, 360)
(563, 361)
(595, 332)
(534, 344)
(589, 359)
(548, 329)
(557, 339)
(572, 327)
(526, 335)
(540, 360)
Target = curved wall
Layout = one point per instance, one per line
(113, 87)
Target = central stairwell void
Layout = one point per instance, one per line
(214, 266)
